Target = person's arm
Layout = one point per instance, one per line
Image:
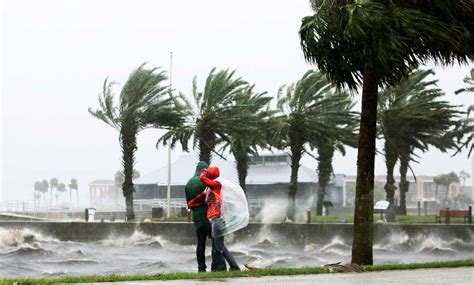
(199, 200)
(208, 182)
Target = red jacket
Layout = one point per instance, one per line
(214, 196)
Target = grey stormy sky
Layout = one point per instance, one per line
(55, 56)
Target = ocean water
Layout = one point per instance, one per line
(26, 253)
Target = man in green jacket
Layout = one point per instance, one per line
(202, 224)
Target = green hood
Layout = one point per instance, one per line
(200, 166)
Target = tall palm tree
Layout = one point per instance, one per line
(36, 195)
(144, 102)
(326, 148)
(309, 110)
(53, 184)
(61, 189)
(413, 116)
(44, 187)
(212, 116)
(467, 125)
(73, 186)
(463, 175)
(244, 144)
(368, 44)
(450, 178)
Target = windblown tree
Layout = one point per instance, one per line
(412, 117)
(36, 194)
(73, 186)
(449, 179)
(244, 144)
(144, 102)
(309, 110)
(326, 148)
(61, 189)
(212, 116)
(53, 184)
(467, 125)
(463, 175)
(44, 187)
(369, 44)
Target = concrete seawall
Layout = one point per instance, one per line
(183, 233)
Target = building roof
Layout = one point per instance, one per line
(184, 167)
(102, 182)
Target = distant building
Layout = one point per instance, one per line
(268, 178)
(423, 189)
(103, 193)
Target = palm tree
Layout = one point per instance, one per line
(467, 125)
(326, 148)
(373, 43)
(463, 175)
(243, 144)
(75, 186)
(412, 117)
(36, 195)
(61, 189)
(309, 110)
(144, 102)
(213, 116)
(44, 189)
(53, 183)
(450, 178)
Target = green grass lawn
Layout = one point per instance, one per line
(230, 274)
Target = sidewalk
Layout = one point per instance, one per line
(437, 276)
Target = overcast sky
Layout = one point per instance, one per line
(55, 57)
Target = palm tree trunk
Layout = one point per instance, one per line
(70, 198)
(241, 159)
(390, 161)
(296, 154)
(364, 201)
(404, 184)
(128, 140)
(77, 197)
(325, 153)
(207, 142)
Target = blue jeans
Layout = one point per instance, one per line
(218, 262)
(220, 247)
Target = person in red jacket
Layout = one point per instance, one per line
(213, 198)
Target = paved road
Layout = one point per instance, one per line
(448, 276)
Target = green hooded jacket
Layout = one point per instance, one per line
(193, 188)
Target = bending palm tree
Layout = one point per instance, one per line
(242, 145)
(53, 184)
(75, 186)
(309, 110)
(412, 117)
(144, 102)
(368, 44)
(213, 116)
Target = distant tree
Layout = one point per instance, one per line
(53, 184)
(44, 187)
(463, 175)
(451, 178)
(145, 101)
(73, 186)
(36, 195)
(62, 188)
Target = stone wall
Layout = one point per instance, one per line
(183, 233)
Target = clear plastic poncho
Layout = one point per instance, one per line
(235, 210)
